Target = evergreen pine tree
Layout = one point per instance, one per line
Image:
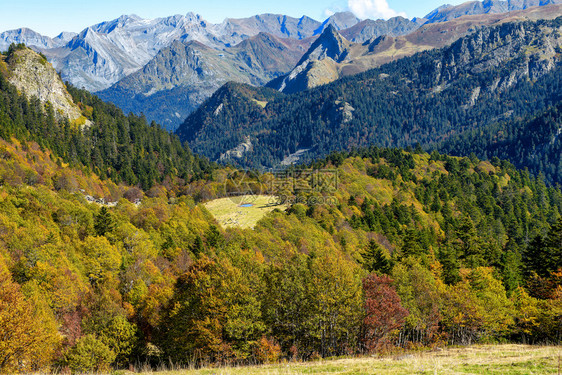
(104, 222)
(375, 259)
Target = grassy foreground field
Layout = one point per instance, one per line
(480, 359)
(242, 211)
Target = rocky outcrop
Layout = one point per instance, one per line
(317, 66)
(34, 76)
(238, 151)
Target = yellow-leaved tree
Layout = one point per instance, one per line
(27, 341)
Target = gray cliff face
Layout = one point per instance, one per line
(35, 77)
(530, 51)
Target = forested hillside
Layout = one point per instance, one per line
(416, 249)
(532, 142)
(125, 148)
(497, 73)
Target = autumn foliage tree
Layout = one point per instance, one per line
(27, 343)
(384, 312)
(214, 315)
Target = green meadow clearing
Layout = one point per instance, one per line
(478, 359)
(242, 211)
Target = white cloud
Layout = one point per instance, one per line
(373, 9)
(333, 8)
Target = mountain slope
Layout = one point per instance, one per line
(359, 57)
(317, 65)
(180, 77)
(221, 117)
(134, 273)
(31, 74)
(123, 148)
(426, 98)
(534, 142)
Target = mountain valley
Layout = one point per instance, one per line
(274, 194)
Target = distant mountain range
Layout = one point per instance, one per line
(449, 12)
(333, 55)
(498, 73)
(181, 76)
(102, 54)
(135, 62)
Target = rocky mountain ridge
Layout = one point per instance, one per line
(32, 38)
(314, 69)
(102, 54)
(449, 12)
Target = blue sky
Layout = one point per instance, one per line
(50, 17)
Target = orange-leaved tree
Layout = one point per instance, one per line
(27, 343)
(384, 312)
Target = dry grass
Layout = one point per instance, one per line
(480, 359)
(261, 103)
(230, 213)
